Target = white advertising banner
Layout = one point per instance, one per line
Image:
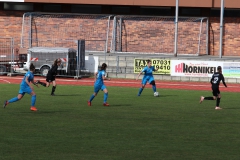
(231, 69)
(190, 68)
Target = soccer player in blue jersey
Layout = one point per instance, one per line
(148, 77)
(26, 87)
(217, 77)
(99, 85)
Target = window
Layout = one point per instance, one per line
(120, 10)
(190, 12)
(215, 12)
(231, 13)
(94, 9)
(52, 7)
(160, 11)
(18, 6)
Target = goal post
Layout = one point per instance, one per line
(155, 34)
(63, 30)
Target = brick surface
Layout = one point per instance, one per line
(153, 38)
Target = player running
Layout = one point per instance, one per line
(26, 87)
(99, 85)
(148, 77)
(217, 77)
(51, 76)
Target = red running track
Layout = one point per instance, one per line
(130, 83)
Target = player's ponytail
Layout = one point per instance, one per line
(32, 67)
(57, 61)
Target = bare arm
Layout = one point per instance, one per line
(26, 80)
(138, 75)
(34, 83)
(95, 76)
(105, 78)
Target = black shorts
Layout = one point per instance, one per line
(50, 78)
(215, 91)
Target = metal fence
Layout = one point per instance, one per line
(129, 34)
(63, 30)
(8, 57)
(147, 34)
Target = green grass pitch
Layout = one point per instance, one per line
(170, 127)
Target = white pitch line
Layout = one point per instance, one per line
(5, 80)
(129, 82)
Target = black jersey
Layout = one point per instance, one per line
(53, 70)
(217, 77)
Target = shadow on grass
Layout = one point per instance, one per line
(168, 96)
(118, 105)
(43, 112)
(229, 108)
(66, 95)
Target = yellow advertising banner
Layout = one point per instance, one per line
(163, 65)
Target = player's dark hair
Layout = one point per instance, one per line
(32, 67)
(56, 61)
(104, 66)
(219, 68)
(148, 61)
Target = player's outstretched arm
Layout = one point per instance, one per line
(223, 80)
(95, 76)
(224, 83)
(138, 75)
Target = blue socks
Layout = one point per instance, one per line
(154, 88)
(15, 99)
(33, 100)
(140, 91)
(105, 97)
(91, 98)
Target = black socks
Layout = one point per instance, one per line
(218, 101)
(53, 90)
(208, 98)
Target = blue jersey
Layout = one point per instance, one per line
(99, 79)
(148, 71)
(28, 75)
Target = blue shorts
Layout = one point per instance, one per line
(148, 79)
(99, 87)
(24, 90)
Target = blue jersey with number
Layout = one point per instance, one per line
(148, 71)
(29, 77)
(148, 76)
(99, 80)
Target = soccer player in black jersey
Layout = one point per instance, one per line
(51, 76)
(217, 77)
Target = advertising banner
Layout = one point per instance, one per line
(163, 65)
(231, 69)
(190, 68)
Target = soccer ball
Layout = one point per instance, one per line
(156, 94)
